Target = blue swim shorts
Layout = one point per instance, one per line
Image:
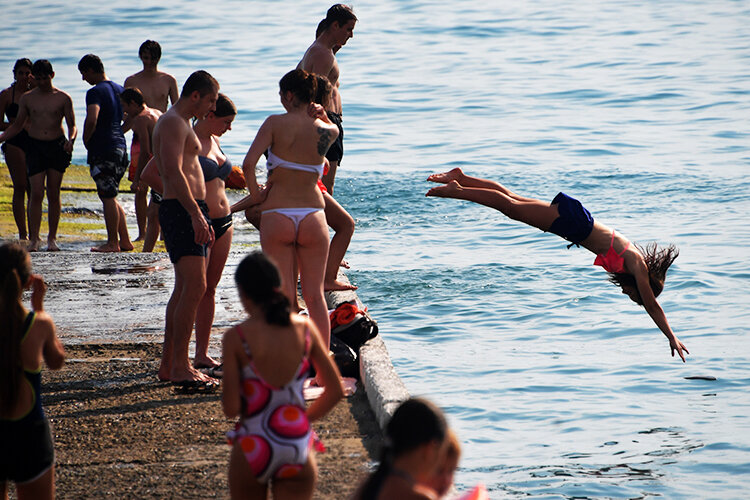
(574, 223)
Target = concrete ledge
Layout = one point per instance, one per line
(384, 388)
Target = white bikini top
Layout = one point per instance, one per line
(274, 162)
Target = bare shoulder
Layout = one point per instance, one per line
(167, 77)
(43, 324)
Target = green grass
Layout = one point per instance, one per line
(72, 227)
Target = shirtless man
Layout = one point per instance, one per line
(183, 215)
(156, 86)
(142, 120)
(107, 154)
(158, 89)
(335, 30)
(49, 152)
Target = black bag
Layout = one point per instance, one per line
(345, 358)
(352, 325)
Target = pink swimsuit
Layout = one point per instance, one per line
(612, 262)
(273, 430)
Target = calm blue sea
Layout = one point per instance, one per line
(557, 385)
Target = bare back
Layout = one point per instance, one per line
(321, 60)
(298, 138)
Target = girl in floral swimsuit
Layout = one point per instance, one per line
(267, 358)
(640, 272)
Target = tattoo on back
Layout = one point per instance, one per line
(324, 142)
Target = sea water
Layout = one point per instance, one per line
(556, 384)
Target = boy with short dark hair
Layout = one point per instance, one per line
(49, 152)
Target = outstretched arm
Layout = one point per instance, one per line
(656, 312)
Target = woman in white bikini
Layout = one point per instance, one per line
(640, 272)
(293, 226)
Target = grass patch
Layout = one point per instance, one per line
(73, 226)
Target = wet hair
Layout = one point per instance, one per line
(199, 81)
(152, 48)
(15, 270)
(24, 62)
(41, 67)
(132, 94)
(224, 107)
(258, 279)
(323, 91)
(302, 84)
(658, 261)
(338, 13)
(415, 423)
(92, 62)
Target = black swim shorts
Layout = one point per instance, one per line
(107, 171)
(179, 237)
(43, 155)
(574, 223)
(336, 151)
(26, 450)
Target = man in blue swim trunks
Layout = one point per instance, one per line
(333, 33)
(183, 216)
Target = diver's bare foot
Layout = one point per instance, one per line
(126, 247)
(450, 190)
(105, 248)
(52, 246)
(330, 286)
(34, 245)
(444, 178)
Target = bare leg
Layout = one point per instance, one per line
(16, 160)
(277, 239)
(312, 252)
(42, 488)
(122, 229)
(535, 213)
(54, 207)
(35, 209)
(343, 224)
(464, 180)
(152, 227)
(141, 210)
(191, 275)
(205, 316)
(111, 222)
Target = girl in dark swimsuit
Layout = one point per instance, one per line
(15, 156)
(640, 272)
(26, 339)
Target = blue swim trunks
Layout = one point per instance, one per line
(574, 223)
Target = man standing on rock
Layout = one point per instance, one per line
(335, 30)
(183, 216)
